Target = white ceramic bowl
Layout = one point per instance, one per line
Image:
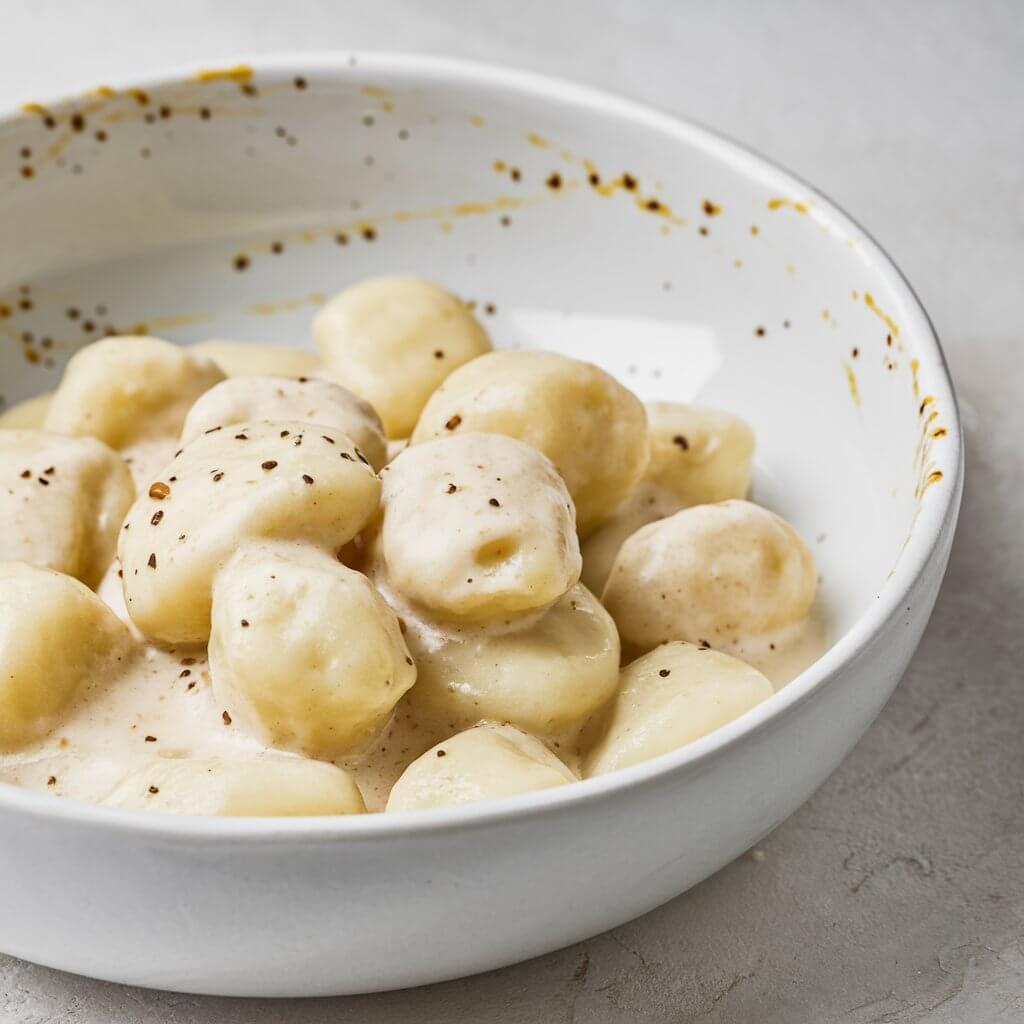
(717, 275)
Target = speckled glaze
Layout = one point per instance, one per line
(229, 203)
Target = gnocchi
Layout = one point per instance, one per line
(123, 390)
(475, 527)
(582, 419)
(91, 777)
(393, 340)
(56, 637)
(711, 573)
(266, 787)
(27, 415)
(697, 456)
(405, 573)
(482, 763)
(671, 696)
(62, 501)
(249, 359)
(546, 676)
(301, 400)
(249, 481)
(305, 652)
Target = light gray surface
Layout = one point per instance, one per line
(897, 893)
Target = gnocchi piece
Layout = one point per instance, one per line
(592, 428)
(249, 481)
(304, 653)
(91, 776)
(475, 527)
(301, 400)
(56, 636)
(547, 676)
(262, 787)
(482, 763)
(124, 390)
(27, 415)
(712, 573)
(393, 340)
(252, 358)
(62, 500)
(672, 696)
(697, 456)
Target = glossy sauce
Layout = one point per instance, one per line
(161, 703)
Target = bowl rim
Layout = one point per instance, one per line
(936, 516)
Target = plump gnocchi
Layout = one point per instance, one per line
(301, 400)
(583, 420)
(273, 677)
(393, 340)
(483, 763)
(670, 697)
(251, 359)
(123, 390)
(547, 676)
(27, 415)
(712, 573)
(697, 456)
(56, 637)
(304, 652)
(90, 777)
(474, 528)
(62, 500)
(268, 786)
(250, 481)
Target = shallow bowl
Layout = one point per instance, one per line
(228, 202)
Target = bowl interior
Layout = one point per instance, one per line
(230, 202)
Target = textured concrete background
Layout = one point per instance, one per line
(897, 894)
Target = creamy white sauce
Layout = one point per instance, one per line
(161, 704)
(782, 656)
